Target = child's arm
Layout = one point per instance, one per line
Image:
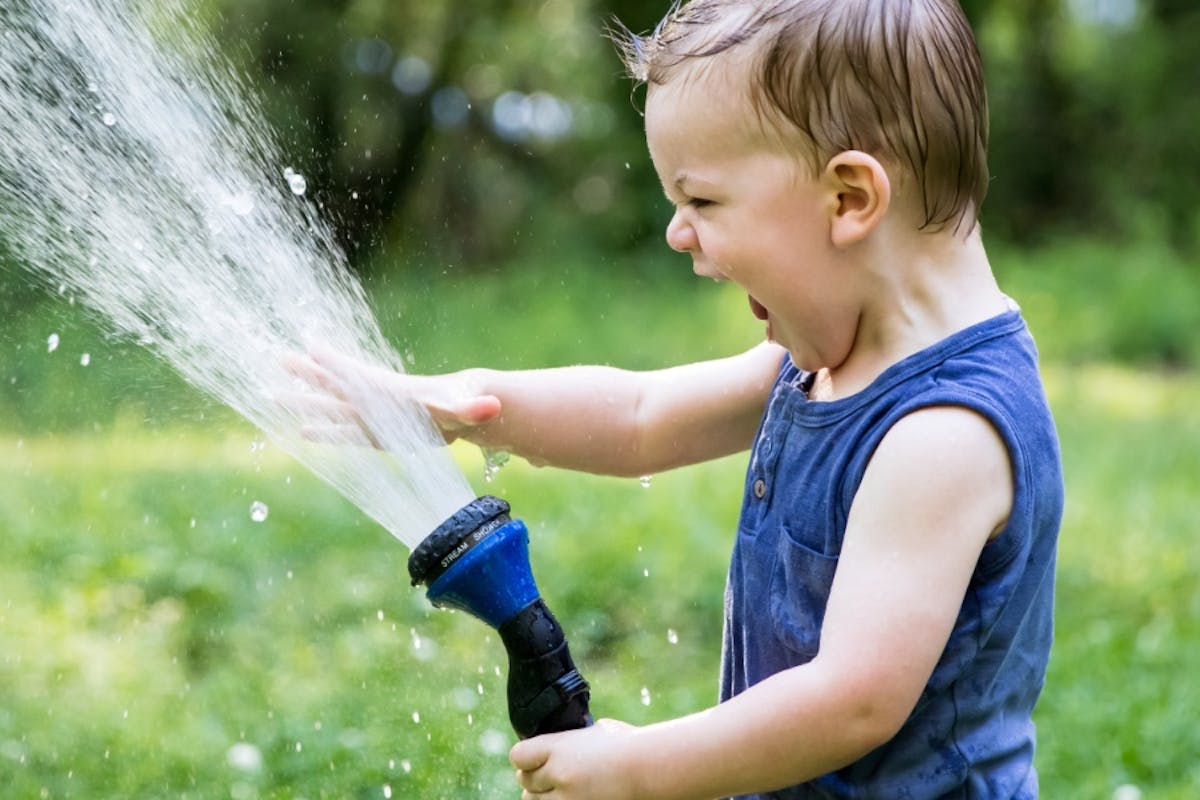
(596, 419)
(937, 488)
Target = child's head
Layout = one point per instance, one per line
(900, 80)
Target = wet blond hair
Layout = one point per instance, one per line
(899, 79)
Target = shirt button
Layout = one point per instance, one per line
(760, 488)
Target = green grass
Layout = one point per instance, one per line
(1121, 696)
(148, 625)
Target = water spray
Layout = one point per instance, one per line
(139, 178)
(478, 561)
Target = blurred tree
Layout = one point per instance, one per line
(1095, 116)
(1157, 100)
(462, 132)
(456, 128)
(1031, 138)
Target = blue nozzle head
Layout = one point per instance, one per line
(478, 561)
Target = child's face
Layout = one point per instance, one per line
(748, 211)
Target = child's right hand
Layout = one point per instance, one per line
(343, 388)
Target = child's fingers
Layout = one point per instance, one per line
(338, 435)
(314, 374)
(310, 404)
(532, 784)
(344, 378)
(468, 412)
(339, 365)
(326, 419)
(529, 755)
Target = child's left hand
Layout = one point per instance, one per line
(588, 764)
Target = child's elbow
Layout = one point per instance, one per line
(882, 727)
(874, 712)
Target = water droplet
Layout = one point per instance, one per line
(379, 615)
(52, 343)
(85, 359)
(416, 717)
(646, 573)
(295, 181)
(464, 698)
(259, 511)
(387, 791)
(645, 481)
(672, 636)
(245, 757)
(109, 119)
(493, 462)
(406, 765)
(299, 747)
(493, 742)
(645, 696)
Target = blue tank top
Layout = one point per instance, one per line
(971, 733)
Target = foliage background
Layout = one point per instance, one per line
(148, 626)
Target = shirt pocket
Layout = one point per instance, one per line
(800, 583)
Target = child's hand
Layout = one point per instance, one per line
(588, 764)
(345, 385)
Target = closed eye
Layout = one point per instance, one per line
(699, 202)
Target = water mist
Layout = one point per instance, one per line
(137, 176)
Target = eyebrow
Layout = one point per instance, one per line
(680, 179)
(683, 177)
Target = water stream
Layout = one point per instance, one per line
(138, 176)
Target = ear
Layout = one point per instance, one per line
(860, 193)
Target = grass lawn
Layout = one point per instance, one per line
(155, 641)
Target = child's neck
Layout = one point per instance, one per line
(919, 289)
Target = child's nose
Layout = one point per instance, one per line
(681, 235)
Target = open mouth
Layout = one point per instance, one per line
(757, 308)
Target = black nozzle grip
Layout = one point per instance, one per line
(546, 693)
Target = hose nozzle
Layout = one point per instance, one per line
(478, 561)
